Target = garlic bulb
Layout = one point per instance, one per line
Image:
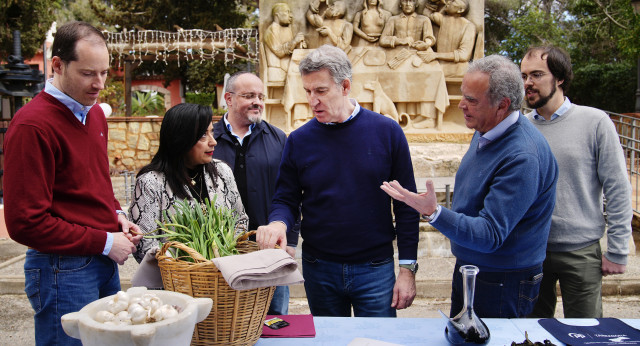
(133, 307)
(138, 315)
(123, 309)
(169, 311)
(104, 316)
(116, 306)
(154, 304)
(122, 296)
(164, 312)
(123, 317)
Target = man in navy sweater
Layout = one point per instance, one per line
(333, 165)
(504, 197)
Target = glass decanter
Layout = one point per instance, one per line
(467, 328)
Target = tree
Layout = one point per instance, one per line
(79, 10)
(166, 14)
(600, 35)
(169, 15)
(32, 17)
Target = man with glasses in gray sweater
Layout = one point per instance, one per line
(591, 163)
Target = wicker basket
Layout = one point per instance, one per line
(236, 316)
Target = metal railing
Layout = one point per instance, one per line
(628, 127)
(129, 185)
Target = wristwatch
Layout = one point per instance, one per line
(433, 215)
(413, 267)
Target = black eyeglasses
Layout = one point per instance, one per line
(249, 96)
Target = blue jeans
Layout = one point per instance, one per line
(280, 301)
(57, 285)
(504, 294)
(334, 288)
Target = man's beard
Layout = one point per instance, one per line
(255, 119)
(543, 99)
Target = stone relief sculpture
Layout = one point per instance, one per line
(382, 103)
(406, 65)
(408, 29)
(331, 24)
(369, 23)
(279, 42)
(455, 39)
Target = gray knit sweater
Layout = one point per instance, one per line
(591, 162)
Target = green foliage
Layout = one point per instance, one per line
(207, 229)
(79, 10)
(219, 112)
(165, 14)
(113, 94)
(605, 31)
(205, 99)
(168, 15)
(601, 37)
(610, 87)
(532, 28)
(32, 17)
(146, 103)
(203, 76)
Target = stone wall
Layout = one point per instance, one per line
(132, 142)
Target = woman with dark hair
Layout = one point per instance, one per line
(183, 169)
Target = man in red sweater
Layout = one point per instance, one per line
(58, 195)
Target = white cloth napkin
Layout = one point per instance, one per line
(264, 268)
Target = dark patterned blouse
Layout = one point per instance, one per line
(153, 195)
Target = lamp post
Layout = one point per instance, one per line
(636, 11)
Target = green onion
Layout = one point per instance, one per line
(208, 230)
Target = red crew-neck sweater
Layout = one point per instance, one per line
(57, 190)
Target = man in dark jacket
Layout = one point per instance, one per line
(253, 149)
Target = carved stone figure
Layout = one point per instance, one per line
(280, 42)
(455, 38)
(408, 29)
(405, 65)
(382, 103)
(330, 23)
(369, 23)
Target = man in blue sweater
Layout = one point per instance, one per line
(333, 165)
(504, 197)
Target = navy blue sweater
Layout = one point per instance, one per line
(503, 201)
(336, 172)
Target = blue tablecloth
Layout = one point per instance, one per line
(337, 331)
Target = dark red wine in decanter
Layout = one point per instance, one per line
(467, 328)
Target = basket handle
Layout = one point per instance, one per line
(246, 236)
(180, 246)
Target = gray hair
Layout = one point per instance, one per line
(331, 58)
(231, 82)
(505, 79)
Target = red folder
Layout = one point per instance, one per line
(300, 326)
